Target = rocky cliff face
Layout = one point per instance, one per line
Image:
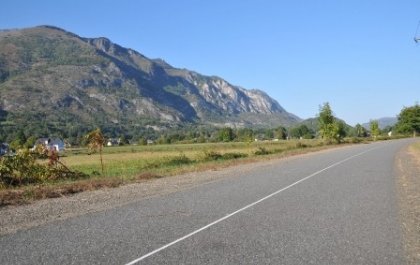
(46, 70)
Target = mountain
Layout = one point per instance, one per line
(55, 77)
(383, 122)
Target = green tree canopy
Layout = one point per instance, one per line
(359, 131)
(301, 131)
(325, 121)
(329, 128)
(374, 129)
(409, 120)
(245, 135)
(226, 134)
(280, 133)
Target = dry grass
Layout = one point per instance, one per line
(409, 198)
(28, 194)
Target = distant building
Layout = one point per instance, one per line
(113, 141)
(51, 143)
(4, 149)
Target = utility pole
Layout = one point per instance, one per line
(416, 35)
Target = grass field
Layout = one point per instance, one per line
(129, 161)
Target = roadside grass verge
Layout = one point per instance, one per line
(129, 164)
(409, 198)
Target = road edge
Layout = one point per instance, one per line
(407, 166)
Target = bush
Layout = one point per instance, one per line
(178, 160)
(227, 156)
(22, 169)
(301, 145)
(212, 155)
(262, 151)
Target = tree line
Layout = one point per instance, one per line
(326, 126)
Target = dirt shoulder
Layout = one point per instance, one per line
(408, 183)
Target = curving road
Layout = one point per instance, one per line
(331, 207)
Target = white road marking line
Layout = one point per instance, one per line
(244, 208)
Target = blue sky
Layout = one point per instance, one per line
(357, 55)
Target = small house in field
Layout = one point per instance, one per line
(113, 142)
(56, 144)
(4, 149)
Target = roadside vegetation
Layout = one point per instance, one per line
(40, 172)
(408, 166)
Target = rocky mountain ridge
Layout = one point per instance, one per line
(52, 74)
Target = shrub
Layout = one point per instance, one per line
(233, 155)
(262, 151)
(22, 169)
(178, 160)
(301, 145)
(212, 155)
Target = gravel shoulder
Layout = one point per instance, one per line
(408, 185)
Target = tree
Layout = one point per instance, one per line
(19, 140)
(142, 141)
(280, 133)
(374, 129)
(226, 134)
(340, 132)
(409, 120)
(96, 141)
(359, 131)
(268, 134)
(245, 135)
(329, 128)
(30, 142)
(302, 131)
(326, 122)
(21, 137)
(123, 140)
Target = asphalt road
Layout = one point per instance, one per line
(333, 207)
